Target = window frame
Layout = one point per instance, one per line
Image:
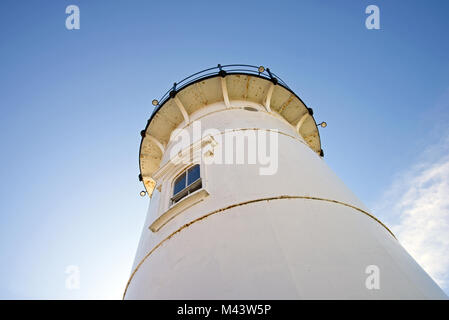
(166, 175)
(189, 188)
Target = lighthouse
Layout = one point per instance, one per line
(243, 206)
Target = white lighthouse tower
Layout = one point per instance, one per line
(272, 223)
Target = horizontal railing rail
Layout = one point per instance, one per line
(219, 70)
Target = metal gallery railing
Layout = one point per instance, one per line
(219, 70)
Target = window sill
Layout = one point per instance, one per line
(178, 207)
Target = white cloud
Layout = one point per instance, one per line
(418, 202)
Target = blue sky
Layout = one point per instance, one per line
(73, 104)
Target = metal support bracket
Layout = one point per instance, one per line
(225, 92)
(182, 109)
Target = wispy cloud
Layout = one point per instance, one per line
(418, 206)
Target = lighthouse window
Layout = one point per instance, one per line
(186, 183)
(180, 184)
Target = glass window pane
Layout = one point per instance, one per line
(180, 183)
(193, 174)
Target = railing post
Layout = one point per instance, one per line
(221, 73)
(173, 91)
(273, 79)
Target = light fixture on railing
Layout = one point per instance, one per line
(322, 124)
(155, 102)
(261, 69)
(143, 193)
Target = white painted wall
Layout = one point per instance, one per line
(279, 249)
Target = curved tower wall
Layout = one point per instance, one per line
(297, 234)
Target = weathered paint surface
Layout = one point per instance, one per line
(297, 234)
